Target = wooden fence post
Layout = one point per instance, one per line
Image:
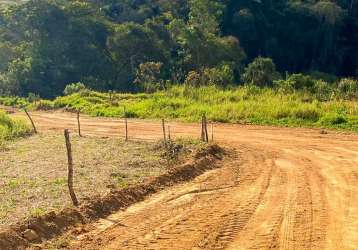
(70, 168)
(164, 134)
(202, 129)
(78, 123)
(32, 122)
(206, 129)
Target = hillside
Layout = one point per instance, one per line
(143, 45)
(11, 2)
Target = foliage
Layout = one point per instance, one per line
(74, 88)
(47, 44)
(261, 72)
(10, 129)
(220, 76)
(348, 88)
(301, 81)
(148, 77)
(245, 104)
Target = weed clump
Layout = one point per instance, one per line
(10, 128)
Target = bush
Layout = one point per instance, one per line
(300, 81)
(285, 86)
(44, 105)
(348, 88)
(10, 128)
(310, 114)
(148, 77)
(31, 97)
(261, 72)
(14, 101)
(333, 119)
(194, 79)
(322, 90)
(74, 88)
(219, 76)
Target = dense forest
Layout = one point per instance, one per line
(145, 45)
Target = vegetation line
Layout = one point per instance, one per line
(246, 105)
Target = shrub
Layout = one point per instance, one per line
(333, 119)
(10, 128)
(219, 76)
(301, 81)
(31, 97)
(14, 101)
(322, 90)
(285, 86)
(44, 105)
(306, 113)
(195, 79)
(74, 88)
(348, 88)
(148, 77)
(261, 72)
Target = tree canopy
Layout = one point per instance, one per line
(48, 44)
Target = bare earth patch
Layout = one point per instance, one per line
(33, 176)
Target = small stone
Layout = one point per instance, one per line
(30, 235)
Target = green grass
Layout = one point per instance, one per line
(10, 128)
(249, 105)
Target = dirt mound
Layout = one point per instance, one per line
(36, 230)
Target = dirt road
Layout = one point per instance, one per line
(287, 189)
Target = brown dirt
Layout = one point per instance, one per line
(33, 176)
(290, 189)
(50, 225)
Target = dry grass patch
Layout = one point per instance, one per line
(34, 170)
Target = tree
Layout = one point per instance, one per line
(261, 72)
(131, 45)
(200, 45)
(148, 76)
(205, 15)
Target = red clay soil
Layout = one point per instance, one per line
(290, 189)
(53, 224)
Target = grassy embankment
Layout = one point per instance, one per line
(10, 128)
(238, 105)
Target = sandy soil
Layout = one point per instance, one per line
(288, 189)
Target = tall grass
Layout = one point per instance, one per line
(11, 128)
(247, 104)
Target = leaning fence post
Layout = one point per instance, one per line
(70, 168)
(164, 134)
(206, 130)
(32, 122)
(78, 123)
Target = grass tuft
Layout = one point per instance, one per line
(11, 128)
